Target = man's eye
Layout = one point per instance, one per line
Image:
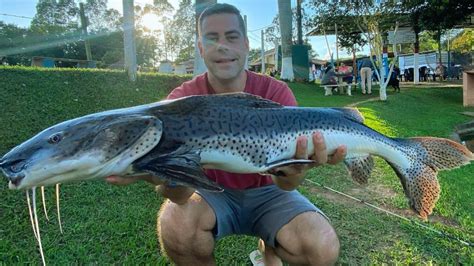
(211, 40)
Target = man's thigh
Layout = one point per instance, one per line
(195, 214)
(271, 209)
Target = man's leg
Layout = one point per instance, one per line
(308, 239)
(185, 231)
(328, 90)
(362, 79)
(369, 80)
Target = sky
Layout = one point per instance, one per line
(260, 14)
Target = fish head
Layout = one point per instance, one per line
(89, 147)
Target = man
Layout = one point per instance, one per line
(191, 221)
(366, 75)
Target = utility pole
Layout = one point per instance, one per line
(130, 51)
(199, 66)
(246, 66)
(337, 44)
(84, 25)
(263, 54)
(298, 22)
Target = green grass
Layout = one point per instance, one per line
(106, 224)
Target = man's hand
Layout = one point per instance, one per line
(291, 176)
(177, 194)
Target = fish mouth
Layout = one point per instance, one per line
(14, 181)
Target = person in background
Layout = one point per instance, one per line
(366, 75)
(348, 77)
(329, 78)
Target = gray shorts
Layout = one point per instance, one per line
(257, 212)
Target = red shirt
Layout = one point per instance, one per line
(256, 84)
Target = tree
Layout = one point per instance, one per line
(436, 15)
(182, 32)
(54, 27)
(100, 18)
(353, 18)
(329, 13)
(13, 38)
(55, 16)
(427, 41)
(463, 42)
(285, 17)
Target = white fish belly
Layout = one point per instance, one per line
(213, 159)
(361, 144)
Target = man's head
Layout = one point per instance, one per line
(223, 42)
(222, 9)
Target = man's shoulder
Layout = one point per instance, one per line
(270, 88)
(265, 79)
(196, 86)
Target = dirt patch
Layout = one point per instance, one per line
(364, 101)
(361, 194)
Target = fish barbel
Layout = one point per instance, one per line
(175, 140)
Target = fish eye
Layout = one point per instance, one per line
(55, 138)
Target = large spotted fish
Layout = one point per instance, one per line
(240, 133)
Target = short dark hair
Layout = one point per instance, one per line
(220, 8)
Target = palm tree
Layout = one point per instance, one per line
(199, 66)
(285, 16)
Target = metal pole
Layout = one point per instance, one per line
(84, 31)
(298, 22)
(449, 58)
(130, 53)
(337, 44)
(246, 66)
(263, 53)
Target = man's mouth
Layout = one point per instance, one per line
(224, 61)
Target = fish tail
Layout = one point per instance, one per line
(428, 155)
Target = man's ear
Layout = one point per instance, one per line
(200, 46)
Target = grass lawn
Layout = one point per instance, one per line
(106, 224)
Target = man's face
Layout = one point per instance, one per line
(223, 46)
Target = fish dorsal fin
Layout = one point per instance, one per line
(351, 113)
(195, 103)
(248, 100)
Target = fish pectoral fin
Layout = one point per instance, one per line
(179, 167)
(274, 168)
(360, 167)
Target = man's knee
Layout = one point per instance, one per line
(325, 247)
(172, 235)
(309, 239)
(182, 231)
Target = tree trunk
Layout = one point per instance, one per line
(416, 72)
(354, 63)
(438, 38)
(199, 66)
(284, 10)
(130, 50)
(383, 84)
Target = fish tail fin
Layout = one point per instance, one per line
(428, 155)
